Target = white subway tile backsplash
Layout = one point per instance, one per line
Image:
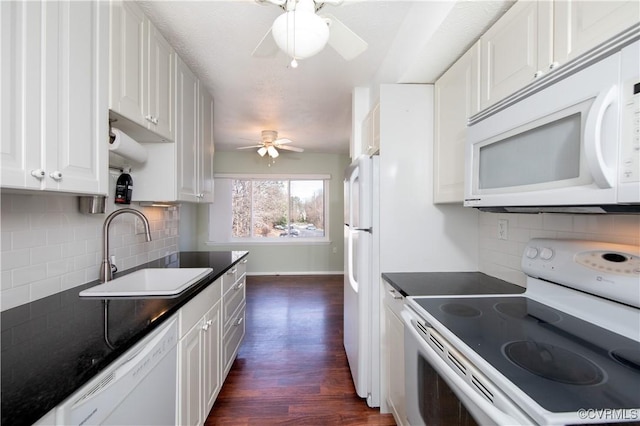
(501, 258)
(48, 245)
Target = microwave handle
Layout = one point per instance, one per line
(602, 173)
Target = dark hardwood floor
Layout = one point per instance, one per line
(291, 368)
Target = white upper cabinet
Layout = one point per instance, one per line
(457, 94)
(581, 25)
(181, 171)
(54, 100)
(141, 75)
(516, 49)
(535, 37)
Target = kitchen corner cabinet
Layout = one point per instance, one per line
(199, 375)
(393, 353)
(54, 98)
(181, 171)
(457, 97)
(141, 75)
(233, 313)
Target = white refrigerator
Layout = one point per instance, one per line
(361, 311)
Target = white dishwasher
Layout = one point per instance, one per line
(137, 389)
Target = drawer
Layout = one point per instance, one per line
(232, 299)
(392, 298)
(234, 274)
(193, 311)
(232, 340)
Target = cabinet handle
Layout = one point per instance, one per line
(240, 285)
(394, 294)
(207, 324)
(150, 118)
(238, 322)
(38, 173)
(57, 176)
(538, 74)
(233, 271)
(553, 65)
(245, 261)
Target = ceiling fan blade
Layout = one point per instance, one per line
(347, 43)
(291, 148)
(267, 47)
(250, 147)
(282, 141)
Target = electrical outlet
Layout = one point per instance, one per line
(335, 249)
(503, 229)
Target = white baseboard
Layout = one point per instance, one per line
(297, 273)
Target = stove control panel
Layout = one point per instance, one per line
(604, 269)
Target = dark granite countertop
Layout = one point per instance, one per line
(54, 345)
(448, 283)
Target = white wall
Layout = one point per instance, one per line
(501, 258)
(49, 246)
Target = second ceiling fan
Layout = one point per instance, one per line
(270, 144)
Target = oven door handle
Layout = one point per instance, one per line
(498, 416)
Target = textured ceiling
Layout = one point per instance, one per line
(409, 41)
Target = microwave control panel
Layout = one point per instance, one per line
(630, 155)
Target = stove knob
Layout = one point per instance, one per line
(546, 253)
(531, 252)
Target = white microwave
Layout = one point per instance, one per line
(571, 144)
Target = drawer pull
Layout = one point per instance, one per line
(233, 271)
(240, 285)
(238, 322)
(207, 324)
(245, 261)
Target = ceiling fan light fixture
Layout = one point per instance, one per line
(300, 33)
(262, 151)
(273, 153)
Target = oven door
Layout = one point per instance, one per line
(437, 394)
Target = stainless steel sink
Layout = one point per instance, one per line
(149, 282)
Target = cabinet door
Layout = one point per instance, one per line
(206, 147)
(186, 128)
(581, 25)
(456, 98)
(211, 375)
(514, 49)
(20, 93)
(126, 88)
(76, 79)
(395, 336)
(160, 96)
(189, 381)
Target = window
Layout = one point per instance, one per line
(270, 209)
(278, 208)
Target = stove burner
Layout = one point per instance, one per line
(522, 311)
(627, 357)
(554, 363)
(460, 310)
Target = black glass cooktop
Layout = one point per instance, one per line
(560, 361)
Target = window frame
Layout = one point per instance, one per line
(326, 180)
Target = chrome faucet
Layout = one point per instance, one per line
(106, 273)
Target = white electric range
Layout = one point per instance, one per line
(567, 351)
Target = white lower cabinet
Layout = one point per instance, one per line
(393, 354)
(233, 314)
(199, 373)
(211, 329)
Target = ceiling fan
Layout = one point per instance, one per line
(270, 144)
(301, 33)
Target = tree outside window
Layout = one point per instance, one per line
(278, 208)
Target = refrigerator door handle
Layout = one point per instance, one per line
(352, 282)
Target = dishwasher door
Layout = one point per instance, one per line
(137, 389)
